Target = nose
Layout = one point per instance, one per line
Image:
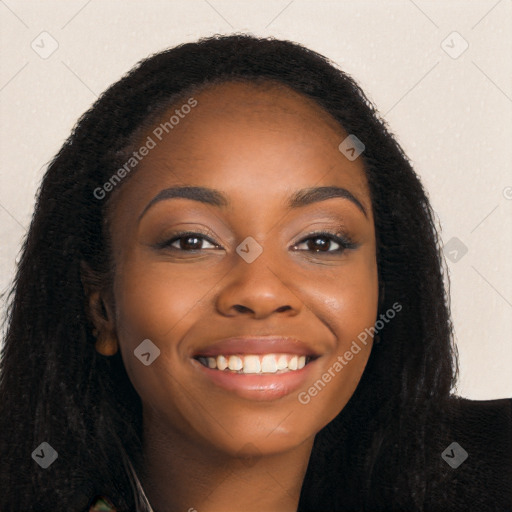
(258, 290)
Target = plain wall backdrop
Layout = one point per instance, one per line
(440, 74)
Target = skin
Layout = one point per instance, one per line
(204, 447)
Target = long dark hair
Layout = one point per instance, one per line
(56, 388)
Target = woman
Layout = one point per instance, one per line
(231, 298)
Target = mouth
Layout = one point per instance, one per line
(261, 369)
(255, 364)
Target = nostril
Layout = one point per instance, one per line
(240, 308)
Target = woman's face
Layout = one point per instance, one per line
(254, 269)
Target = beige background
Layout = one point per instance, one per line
(451, 110)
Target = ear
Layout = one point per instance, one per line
(99, 310)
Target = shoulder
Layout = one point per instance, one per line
(485, 426)
(500, 409)
(473, 453)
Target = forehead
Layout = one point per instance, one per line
(260, 112)
(252, 141)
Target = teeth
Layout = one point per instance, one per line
(282, 362)
(252, 364)
(235, 363)
(222, 363)
(268, 363)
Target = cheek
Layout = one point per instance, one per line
(348, 303)
(156, 304)
(346, 298)
(153, 301)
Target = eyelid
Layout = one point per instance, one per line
(339, 230)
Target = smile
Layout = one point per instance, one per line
(263, 368)
(256, 363)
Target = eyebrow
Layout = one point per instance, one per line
(214, 197)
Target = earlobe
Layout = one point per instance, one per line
(98, 313)
(104, 332)
(106, 345)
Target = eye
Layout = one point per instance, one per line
(188, 241)
(318, 242)
(324, 242)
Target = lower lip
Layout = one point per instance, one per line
(259, 387)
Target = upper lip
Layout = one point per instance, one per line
(256, 345)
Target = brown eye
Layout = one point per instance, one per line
(325, 243)
(320, 243)
(188, 242)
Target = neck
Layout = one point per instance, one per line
(181, 475)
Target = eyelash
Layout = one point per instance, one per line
(343, 240)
